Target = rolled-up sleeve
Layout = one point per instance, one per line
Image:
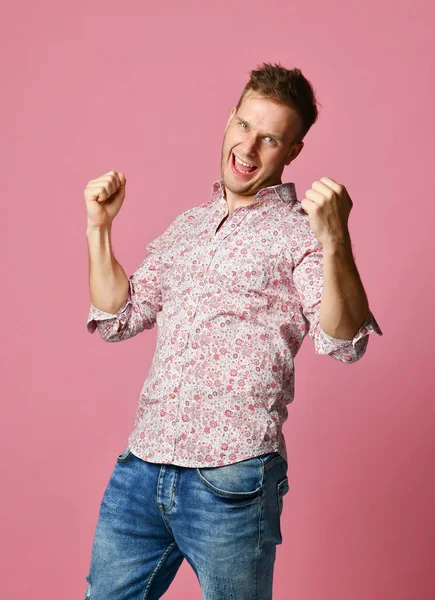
(347, 351)
(144, 299)
(110, 325)
(308, 281)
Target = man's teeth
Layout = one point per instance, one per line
(242, 163)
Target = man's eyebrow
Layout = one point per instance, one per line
(277, 137)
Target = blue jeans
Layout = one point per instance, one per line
(224, 520)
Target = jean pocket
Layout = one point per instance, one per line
(124, 456)
(240, 480)
(282, 488)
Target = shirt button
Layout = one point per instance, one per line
(210, 239)
(200, 274)
(172, 395)
(189, 312)
(179, 352)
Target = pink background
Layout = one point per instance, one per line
(146, 88)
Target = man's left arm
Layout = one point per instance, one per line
(344, 315)
(344, 306)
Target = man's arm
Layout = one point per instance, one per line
(108, 283)
(123, 314)
(318, 281)
(344, 306)
(344, 310)
(128, 314)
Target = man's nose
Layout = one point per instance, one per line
(250, 146)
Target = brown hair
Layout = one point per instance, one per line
(285, 86)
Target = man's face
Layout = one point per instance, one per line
(262, 134)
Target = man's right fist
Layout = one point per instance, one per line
(104, 197)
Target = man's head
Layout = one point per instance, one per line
(276, 109)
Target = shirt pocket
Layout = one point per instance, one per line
(176, 268)
(246, 273)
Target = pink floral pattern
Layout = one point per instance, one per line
(232, 308)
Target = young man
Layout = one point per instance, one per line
(235, 284)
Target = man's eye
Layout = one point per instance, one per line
(243, 124)
(270, 138)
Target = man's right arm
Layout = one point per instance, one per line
(120, 307)
(108, 283)
(110, 290)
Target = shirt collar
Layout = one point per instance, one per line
(286, 192)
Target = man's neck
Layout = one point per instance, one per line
(235, 201)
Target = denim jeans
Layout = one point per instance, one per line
(224, 520)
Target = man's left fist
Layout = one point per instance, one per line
(328, 206)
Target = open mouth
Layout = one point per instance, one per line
(240, 168)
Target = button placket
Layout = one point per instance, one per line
(232, 223)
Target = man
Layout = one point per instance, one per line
(235, 284)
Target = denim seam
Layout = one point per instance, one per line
(156, 569)
(259, 529)
(279, 498)
(260, 517)
(168, 527)
(160, 506)
(164, 509)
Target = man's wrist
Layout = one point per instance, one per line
(338, 246)
(93, 230)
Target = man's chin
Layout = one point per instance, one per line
(245, 189)
(238, 186)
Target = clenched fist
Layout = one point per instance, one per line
(104, 197)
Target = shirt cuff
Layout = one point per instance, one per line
(96, 315)
(349, 350)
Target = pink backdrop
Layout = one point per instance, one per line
(146, 88)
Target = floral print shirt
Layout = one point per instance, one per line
(233, 305)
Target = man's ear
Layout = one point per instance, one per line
(294, 152)
(233, 112)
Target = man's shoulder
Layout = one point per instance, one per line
(293, 216)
